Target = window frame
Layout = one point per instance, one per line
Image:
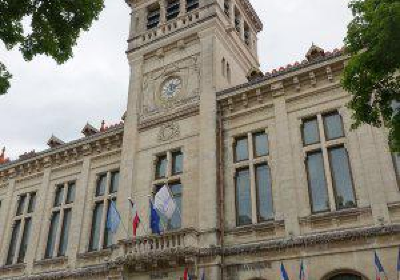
(105, 200)
(324, 146)
(61, 208)
(251, 163)
(22, 217)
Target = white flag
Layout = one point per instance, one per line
(164, 203)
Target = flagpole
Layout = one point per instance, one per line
(121, 220)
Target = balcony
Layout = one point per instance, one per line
(171, 249)
(160, 30)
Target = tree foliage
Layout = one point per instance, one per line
(55, 26)
(372, 73)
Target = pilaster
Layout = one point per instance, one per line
(80, 206)
(208, 209)
(285, 180)
(6, 221)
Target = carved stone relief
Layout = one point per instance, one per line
(169, 131)
(187, 71)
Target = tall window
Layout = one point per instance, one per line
(153, 16)
(396, 162)
(106, 191)
(227, 6)
(170, 175)
(22, 225)
(173, 9)
(327, 162)
(254, 203)
(191, 5)
(57, 241)
(247, 34)
(237, 20)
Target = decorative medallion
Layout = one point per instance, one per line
(169, 131)
(171, 88)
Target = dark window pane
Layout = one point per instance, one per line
(346, 276)
(310, 132)
(243, 198)
(25, 240)
(101, 185)
(176, 191)
(108, 235)
(396, 161)
(51, 240)
(161, 167)
(59, 196)
(264, 193)
(62, 249)
(191, 5)
(341, 176)
(70, 193)
(32, 202)
(241, 149)
(153, 16)
(177, 163)
(317, 182)
(21, 205)
(114, 182)
(173, 8)
(13, 244)
(260, 144)
(96, 223)
(333, 126)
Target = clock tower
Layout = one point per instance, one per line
(181, 53)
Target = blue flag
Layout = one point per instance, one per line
(113, 218)
(284, 275)
(154, 220)
(398, 266)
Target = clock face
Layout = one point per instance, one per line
(171, 88)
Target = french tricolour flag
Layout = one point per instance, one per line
(284, 275)
(380, 271)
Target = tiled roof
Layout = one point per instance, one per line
(287, 69)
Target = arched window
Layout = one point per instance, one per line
(346, 276)
(223, 65)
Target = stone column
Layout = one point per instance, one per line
(6, 221)
(208, 204)
(285, 182)
(182, 7)
(163, 12)
(127, 168)
(81, 203)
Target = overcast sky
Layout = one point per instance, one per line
(47, 99)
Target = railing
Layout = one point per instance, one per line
(166, 28)
(173, 241)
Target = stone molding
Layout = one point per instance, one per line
(67, 153)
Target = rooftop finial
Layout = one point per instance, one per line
(103, 126)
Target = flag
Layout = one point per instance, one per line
(380, 271)
(302, 271)
(398, 266)
(164, 203)
(113, 217)
(154, 220)
(186, 275)
(203, 274)
(284, 275)
(136, 219)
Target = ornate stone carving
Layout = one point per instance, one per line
(187, 70)
(169, 131)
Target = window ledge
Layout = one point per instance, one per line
(95, 254)
(19, 266)
(264, 226)
(350, 212)
(57, 260)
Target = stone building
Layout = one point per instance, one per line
(264, 167)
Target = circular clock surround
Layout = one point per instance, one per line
(171, 88)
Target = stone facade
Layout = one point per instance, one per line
(195, 92)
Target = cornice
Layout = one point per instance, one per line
(252, 14)
(64, 154)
